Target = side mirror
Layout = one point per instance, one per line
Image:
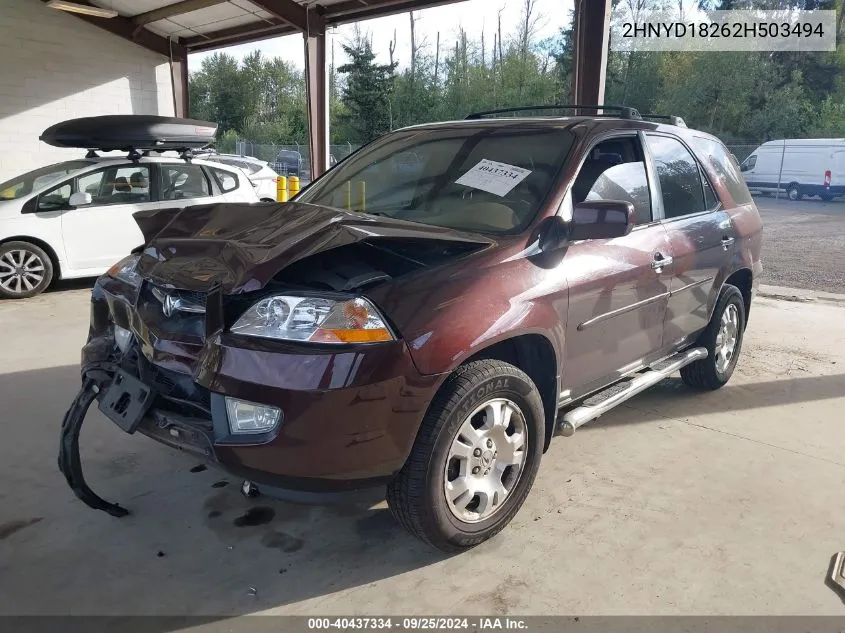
(552, 234)
(79, 199)
(601, 219)
(743, 167)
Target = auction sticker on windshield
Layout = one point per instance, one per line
(493, 177)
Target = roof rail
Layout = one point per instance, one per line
(673, 120)
(621, 111)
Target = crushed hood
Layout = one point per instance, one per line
(241, 247)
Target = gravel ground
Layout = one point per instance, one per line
(803, 244)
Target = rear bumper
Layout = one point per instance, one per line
(349, 416)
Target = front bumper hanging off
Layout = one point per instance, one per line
(69, 461)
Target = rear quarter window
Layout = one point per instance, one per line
(721, 166)
(227, 180)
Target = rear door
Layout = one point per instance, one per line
(700, 233)
(99, 234)
(184, 184)
(618, 288)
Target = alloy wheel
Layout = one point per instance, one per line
(20, 271)
(726, 339)
(485, 460)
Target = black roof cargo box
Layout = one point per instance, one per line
(127, 132)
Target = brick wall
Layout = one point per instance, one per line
(54, 67)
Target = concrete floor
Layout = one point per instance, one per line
(720, 503)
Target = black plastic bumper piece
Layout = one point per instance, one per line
(69, 460)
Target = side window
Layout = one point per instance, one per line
(117, 185)
(179, 182)
(615, 170)
(55, 199)
(749, 163)
(226, 179)
(723, 169)
(138, 179)
(680, 178)
(93, 184)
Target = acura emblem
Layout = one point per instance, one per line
(171, 303)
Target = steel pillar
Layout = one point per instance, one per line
(316, 80)
(179, 79)
(592, 34)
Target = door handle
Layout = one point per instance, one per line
(660, 261)
(727, 242)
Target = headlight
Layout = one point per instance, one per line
(314, 319)
(125, 270)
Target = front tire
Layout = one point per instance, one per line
(723, 340)
(474, 459)
(25, 270)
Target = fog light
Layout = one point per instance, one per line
(248, 417)
(122, 337)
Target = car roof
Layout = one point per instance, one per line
(583, 125)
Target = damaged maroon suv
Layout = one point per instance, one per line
(429, 313)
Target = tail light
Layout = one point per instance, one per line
(827, 179)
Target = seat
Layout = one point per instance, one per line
(193, 187)
(121, 185)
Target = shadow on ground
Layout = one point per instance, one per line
(676, 400)
(86, 283)
(193, 543)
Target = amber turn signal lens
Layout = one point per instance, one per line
(351, 336)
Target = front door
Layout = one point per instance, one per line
(103, 232)
(700, 233)
(618, 288)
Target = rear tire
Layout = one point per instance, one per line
(25, 270)
(474, 459)
(793, 191)
(723, 340)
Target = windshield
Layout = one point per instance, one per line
(37, 178)
(489, 179)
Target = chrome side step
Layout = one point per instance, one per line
(640, 382)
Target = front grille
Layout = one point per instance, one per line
(182, 320)
(177, 392)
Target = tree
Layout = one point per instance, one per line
(749, 97)
(216, 93)
(366, 94)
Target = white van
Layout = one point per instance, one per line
(803, 167)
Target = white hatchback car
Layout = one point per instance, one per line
(74, 219)
(260, 173)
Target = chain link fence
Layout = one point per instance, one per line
(743, 150)
(291, 160)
